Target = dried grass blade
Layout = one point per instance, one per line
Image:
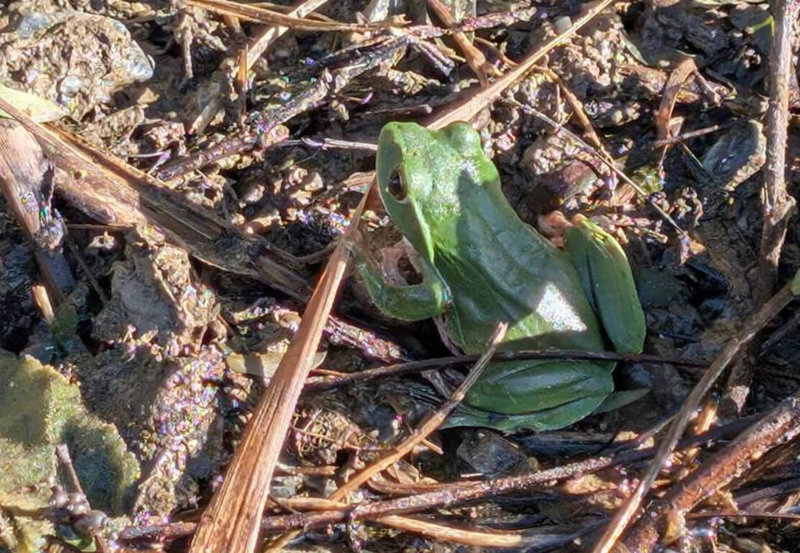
(455, 535)
(469, 107)
(231, 522)
(270, 17)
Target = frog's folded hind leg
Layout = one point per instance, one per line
(549, 419)
(607, 281)
(519, 387)
(543, 395)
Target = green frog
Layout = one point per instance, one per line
(481, 265)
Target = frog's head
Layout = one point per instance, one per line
(423, 177)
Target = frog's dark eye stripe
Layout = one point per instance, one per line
(397, 186)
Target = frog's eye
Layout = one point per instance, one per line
(397, 186)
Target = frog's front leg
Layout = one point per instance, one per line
(413, 302)
(608, 284)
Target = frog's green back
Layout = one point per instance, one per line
(451, 208)
(524, 280)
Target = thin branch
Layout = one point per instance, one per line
(670, 440)
(318, 383)
(669, 516)
(778, 205)
(262, 15)
(469, 107)
(443, 495)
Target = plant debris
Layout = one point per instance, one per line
(177, 174)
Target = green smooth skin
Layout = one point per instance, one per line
(482, 265)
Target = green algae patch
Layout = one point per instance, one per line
(39, 409)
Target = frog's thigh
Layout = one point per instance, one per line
(549, 419)
(516, 388)
(607, 281)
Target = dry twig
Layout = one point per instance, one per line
(428, 426)
(257, 46)
(664, 114)
(442, 495)
(26, 177)
(261, 15)
(668, 516)
(264, 128)
(112, 191)
(477, 99)
(231, 522)
(778, 204)
(441, 532)
(751, 327)
(475, 58)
